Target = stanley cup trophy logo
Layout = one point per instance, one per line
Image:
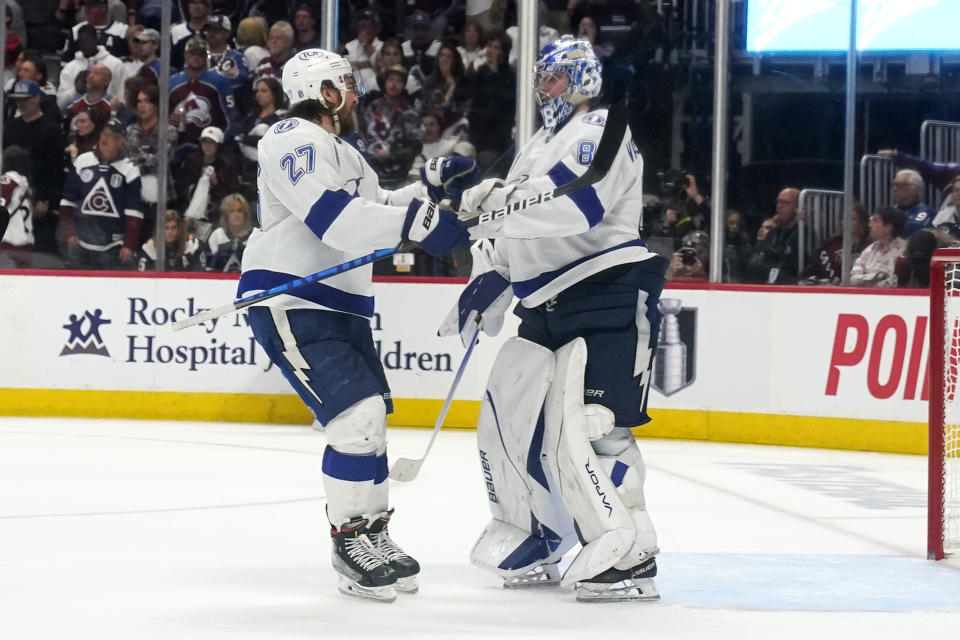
(673, 362)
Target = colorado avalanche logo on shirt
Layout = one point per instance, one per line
(196, 110)
(285, 125)
(99, 202)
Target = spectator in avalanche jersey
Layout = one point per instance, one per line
(95, 99)
(222, 56)
(101, 212)
(228, 61)
(200, 97)
(825, 264)
(17, 241)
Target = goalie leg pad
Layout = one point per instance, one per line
(529, 527)
(605, 524)
(621, 460)
(354, 461)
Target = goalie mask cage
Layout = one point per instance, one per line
(943, 456)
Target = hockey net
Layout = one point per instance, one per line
(943, 512)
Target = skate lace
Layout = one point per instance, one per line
(387, 547)
(362, 551)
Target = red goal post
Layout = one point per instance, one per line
(943, 456)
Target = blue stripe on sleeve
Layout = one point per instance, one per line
(315, 292)
(352, 468)
(326, 209)
(586, 199)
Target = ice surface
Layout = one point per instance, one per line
(142, 530)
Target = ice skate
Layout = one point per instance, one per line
(405, 567)
(621, 585)
(544, 575)
(362, 571)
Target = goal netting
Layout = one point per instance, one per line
(944, 437)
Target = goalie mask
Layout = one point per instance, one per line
(308, 70)
(571, 58)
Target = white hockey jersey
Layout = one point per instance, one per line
(319, 205)
(548, 247)
(15, 197)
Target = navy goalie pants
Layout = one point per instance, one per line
(615, 312)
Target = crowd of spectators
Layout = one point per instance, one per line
(80, 141)
(890, 246)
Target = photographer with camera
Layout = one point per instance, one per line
(685, 209)
(692, 259)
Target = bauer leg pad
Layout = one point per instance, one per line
(530, 528)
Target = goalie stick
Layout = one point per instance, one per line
(406, 469)
(607, 149)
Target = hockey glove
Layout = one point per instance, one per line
(436, 230)
(449, 177)
(484, 301)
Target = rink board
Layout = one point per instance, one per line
(808, 367)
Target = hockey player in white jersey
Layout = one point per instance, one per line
(320, 205)
(559, 461)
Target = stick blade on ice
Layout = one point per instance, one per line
(405, 469)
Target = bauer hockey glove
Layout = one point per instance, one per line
(484, 300)
(436, 230)
(449, 177)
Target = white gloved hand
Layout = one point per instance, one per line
(490, 194)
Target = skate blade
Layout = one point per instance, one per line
(541, 577)
(407, 585)
(377, 594)
(642, 590)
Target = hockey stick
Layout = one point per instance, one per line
(607, 149)
(406, 469)
(286, 287)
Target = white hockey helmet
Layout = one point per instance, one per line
(305, 73)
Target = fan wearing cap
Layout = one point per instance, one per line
(211, 155)
(42, 137)
(88, 54)
(200, 97)
(144, 56)
(111, 34)
(198, 15)
(221, 56)
(101, 211)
